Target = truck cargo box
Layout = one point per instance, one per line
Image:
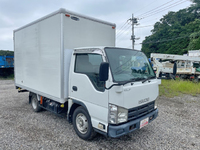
(42, 50)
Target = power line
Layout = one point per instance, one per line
(125, 35)
(152, 12)
(145, 6)
(122, 31)
(134, 22)
(123, 25)
(150, 20)
(127, 32)
(122, 35)
(159, 8)
(144, 26)
(155, 8)
(120, 39)
(156, 12)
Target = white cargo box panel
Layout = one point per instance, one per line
(39, 50)
(194, 53)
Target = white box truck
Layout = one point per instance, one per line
(104, 89)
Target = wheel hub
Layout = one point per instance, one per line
(34, 103)
(81, 123)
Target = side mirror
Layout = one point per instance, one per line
(103, 71)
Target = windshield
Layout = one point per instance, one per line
(127, 64)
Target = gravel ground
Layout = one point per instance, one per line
(177, 126)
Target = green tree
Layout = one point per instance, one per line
(176, 32)
(6, 52)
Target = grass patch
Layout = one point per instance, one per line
(171, 88)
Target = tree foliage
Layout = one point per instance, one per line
(6, 52)
(176, 32)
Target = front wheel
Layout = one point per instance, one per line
(82, 124)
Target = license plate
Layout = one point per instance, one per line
(144, 122)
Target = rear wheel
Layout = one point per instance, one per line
(35, 103)
(196, 79)
(82, 124)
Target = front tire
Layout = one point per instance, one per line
(82, 124)
(35, 103)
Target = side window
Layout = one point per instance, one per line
(89, 64)
(82, 64)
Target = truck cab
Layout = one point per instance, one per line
(117, 98)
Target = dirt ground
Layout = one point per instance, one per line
(177, 126)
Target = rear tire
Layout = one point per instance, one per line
(82, 124)
(35, 103)
(196, 80)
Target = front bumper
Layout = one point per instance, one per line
(119, 130)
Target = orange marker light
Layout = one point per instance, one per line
(113, 27)
(67, 15)
(41, 100)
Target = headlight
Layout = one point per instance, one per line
(117, 114)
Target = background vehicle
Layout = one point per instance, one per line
(187, 66)
(6, 65)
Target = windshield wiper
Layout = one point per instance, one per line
(131, 80)
(119, 84)
(148, 79)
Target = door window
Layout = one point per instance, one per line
(89, 64)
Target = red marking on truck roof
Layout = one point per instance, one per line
(67, 15)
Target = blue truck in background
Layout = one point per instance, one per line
(6, 61)
(6, 65)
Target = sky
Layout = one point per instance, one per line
(17, 13)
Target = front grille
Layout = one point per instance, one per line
(140, 111)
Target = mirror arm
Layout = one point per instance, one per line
(112, 86)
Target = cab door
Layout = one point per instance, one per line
(86, 87)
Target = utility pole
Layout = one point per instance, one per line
(134, 21)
